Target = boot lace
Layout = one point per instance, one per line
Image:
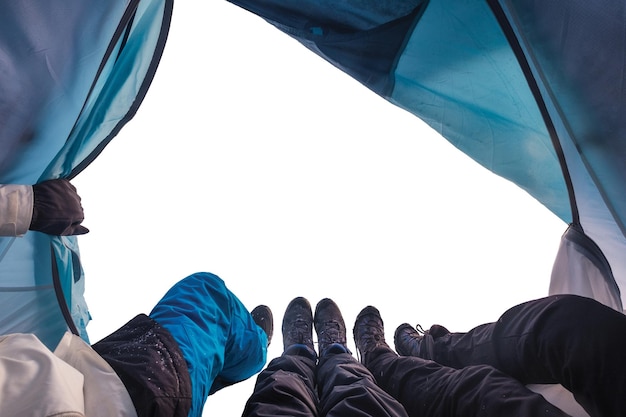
(299, 331)
(370, 336)
(331, 333)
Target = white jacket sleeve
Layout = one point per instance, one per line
(72, 381)
(16, 209)
(34, 382)
(104, 393)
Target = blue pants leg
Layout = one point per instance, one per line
(219, 340)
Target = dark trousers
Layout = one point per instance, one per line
(293, 385)
(566, 339)
(428, 389)
(148, 361)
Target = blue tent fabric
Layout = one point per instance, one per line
(531, 90)
(363, 42)
(577, 60)
(72, 76)
(450, 55)
(215, 332)
(461, 77)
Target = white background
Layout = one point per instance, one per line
(256, 160)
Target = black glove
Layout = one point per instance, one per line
(56, 209)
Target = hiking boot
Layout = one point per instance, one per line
(329, 326)
(408, 340)
(415, 341)
(369, 332)
(298, 324)
(262, 316)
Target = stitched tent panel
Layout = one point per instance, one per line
(73, 75)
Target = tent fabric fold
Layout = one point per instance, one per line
(73, 75)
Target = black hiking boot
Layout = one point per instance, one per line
(262, 316)
(407, 340)
(369, 332)
(298, 324)
(329, 326)
(415, 341)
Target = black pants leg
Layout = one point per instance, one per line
(428, 389)
(347, 388)
(150, 364)
(566, 339)
(286, 387)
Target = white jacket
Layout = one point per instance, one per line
(72, 381)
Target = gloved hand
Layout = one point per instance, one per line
(57, 209)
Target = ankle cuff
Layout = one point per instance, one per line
(301, 350)
(334, 349)
(375, 353)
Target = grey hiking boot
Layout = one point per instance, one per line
(369, 332)
(262, 316)
(298, 324)
(329, 326)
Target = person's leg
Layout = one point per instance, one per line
(219, 339)
(426, 388)
(573, 340)
(566, 339)
(455, 350)
(150, 364)
(287, 386)
(345, 386)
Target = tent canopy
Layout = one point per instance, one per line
(530, 90)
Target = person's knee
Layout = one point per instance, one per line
(207, 278)
(576, 307)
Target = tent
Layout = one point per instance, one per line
(72, 76)
(498, 82)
